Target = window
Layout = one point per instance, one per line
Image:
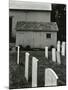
(48, 35)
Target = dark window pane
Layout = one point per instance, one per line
(48, 35)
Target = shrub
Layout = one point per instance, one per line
(50, 48)
(21, 47)
(28, 47)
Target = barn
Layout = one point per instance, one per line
(36, 34)
(30, 24)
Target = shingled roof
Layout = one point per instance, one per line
(36, 26)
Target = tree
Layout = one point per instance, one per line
(58, 15)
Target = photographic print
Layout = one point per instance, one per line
(37, 44)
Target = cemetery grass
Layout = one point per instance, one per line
(16, 72)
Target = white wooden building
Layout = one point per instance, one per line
(31, 24)
(36, 34)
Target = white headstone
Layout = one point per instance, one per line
(53, 54)
(26, 65)
(50, 77)
(46, 52)
(58, 58)
(58, 46)
(18, 50)
(63, 49)
(34, 72)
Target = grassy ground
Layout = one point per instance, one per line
(16, 75)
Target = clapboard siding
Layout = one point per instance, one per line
(35, 39)
(53, 39)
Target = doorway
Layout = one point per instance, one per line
(10, 29)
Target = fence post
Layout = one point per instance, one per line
(34, 72)
(46, 52)
(26, 65)
(50, 77)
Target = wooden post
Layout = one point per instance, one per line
(34, 72)
(18, 50)
(50, 77)
(26, 65)
(53, 54)
(46, 52)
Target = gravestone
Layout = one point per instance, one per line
(58, 58)
(53, 54)
(18, 51)
(50, 77)
(26, 65)
(63, 49)
(58, 46)
(46, 52)
(34, 72)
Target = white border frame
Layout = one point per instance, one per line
(4, 44)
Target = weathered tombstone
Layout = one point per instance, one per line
(63, 49)
(34, 72)
(50, 77)
(58, 46)
(53, 54)
(58, 58)
(46, 52)
(26, 65)
(18, 50)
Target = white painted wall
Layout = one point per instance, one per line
(35, 39)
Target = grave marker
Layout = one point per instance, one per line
(53, 54)
(34, 72)
(26, 65)
(50, 77)
(58, 58)
(18, 50)
(46, 52)
(58, 46)
(63, 49)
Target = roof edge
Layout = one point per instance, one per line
(29, 5)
